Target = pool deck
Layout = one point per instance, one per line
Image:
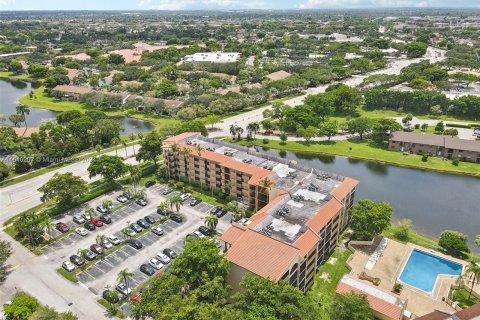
(388, 269)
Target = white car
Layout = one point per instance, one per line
(121, 198)
(123, 289)
(158, 231)
(67, 265)
(198, 234)
(79, 218)
(163, 258)
(155, 263)
(81, 231)
(185, 196)
(114, 240)
(107, 244)
(129, 232)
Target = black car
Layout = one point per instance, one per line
(89, 226)
(147, 269)
(106, 219)
(62, 227)
(112, 298)
(221, 213)
(134, 243)
(150, 219)
(77, 260)
(177, 218)
(135, 227)
(163, 212)
(170, 253)
(195, 201)
(206, 231)
(90, 255)
(216, 210)
(149, 183)
(144, 224)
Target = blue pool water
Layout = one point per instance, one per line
(422, 269)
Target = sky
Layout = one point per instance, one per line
(224, 4)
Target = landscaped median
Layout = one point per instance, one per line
(365, 149)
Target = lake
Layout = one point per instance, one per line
(11, 91)
(434, 201)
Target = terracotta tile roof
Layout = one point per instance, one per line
(344, 188)
(380, 301)
(79, 56)
(306, 242)
(130, 55)
(435, 315)
(181, 136)
(326, 213)
(237, 89)
(72, 89)
(72, 73)
(233, 233)
(25, 132)
(262, 255)
(278, 75)
(471, 313)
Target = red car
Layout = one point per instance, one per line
(62, 227)
(136, 297)
(97, 223)
(97, 248)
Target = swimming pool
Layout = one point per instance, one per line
(422, 269)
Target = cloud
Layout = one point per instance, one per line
(199, 4)
(4, 3)
(318, 4)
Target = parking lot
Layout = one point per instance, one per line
(104, 271)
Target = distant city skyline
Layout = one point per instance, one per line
(225, 4)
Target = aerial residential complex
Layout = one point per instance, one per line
(300, 211)
(215, 57)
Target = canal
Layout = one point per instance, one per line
(11, 91)
(434, 201)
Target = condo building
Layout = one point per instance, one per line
(300, 211)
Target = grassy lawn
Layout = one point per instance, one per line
(323, 290)
(106, 305)
(461, 295)
(364, 149)
(10, 75)
(67, 275)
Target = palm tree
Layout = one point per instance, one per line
(233, 130)
(253, 127)
(176, 202)
(91, 135)
(135, 175)
(473, 271)
(23, 109)
(89, 212)
(98, 148)
(48, 226)
(115, 141)
(211, 220)
(100, 239)
(124, 276)
(132, 138)
(266, 184)
(237, 211)
(124, 143)
(199, 150)
(164, 205)
(107, 204)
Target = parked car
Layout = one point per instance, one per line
(77, 260)
(141, 202)
(89, 226)
(163, 258)
(150, 219)
(78, 218)
(197, 234)
(134, 243)
(147, 269)
(149, 183)
(101, 209)
(122, 199)
(177, 218)
(129, 232)
(123, 289)
(107, 244)
(144, 224)
(194, 202)
(97, 222)
(96, 248)
(90, 255)
(206, 231)
(106, 219)
(67, 265)
(185, 196)
(136, 298)
(158, 231)
(215, 210)
(135, 227)
(167, 191)
(170, 253)
(114, 240)
(157, 264)
(62, 227)
(162, 212)
(221, 213)
(110, 298)
(81, 231)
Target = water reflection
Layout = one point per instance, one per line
(377, 168)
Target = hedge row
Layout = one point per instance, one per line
(465, 126)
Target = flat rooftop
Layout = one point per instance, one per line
(306, 190)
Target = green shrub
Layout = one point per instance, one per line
(397, 287)
(474, 125)
(453, 241)
(455, 162)
(417, 126)
(425, 157)
(458, 125)
(265, 141)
